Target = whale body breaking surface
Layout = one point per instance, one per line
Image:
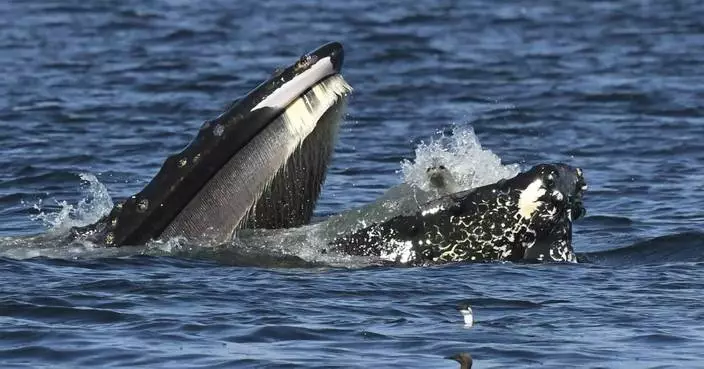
(261, 165)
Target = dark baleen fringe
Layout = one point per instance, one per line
(292, 194)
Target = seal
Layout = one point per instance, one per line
(525, 218)
(441, 180)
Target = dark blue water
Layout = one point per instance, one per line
(111, 88)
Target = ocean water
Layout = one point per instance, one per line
(95, 94)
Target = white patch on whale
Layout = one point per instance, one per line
(528, 202)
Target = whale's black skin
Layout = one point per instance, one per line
(524, 218)
(147, 214)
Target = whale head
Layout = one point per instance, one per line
(525, 218)
(261, 163)
(551, 199)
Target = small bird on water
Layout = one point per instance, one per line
(463, 358)
(467, 314)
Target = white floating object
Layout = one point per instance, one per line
(468, 316)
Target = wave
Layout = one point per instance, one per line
(679, 247)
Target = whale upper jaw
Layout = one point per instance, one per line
(235, 171)
(286, 85)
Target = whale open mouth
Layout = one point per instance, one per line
(259, 164)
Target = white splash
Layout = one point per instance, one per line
(461, 153)
(95, 204)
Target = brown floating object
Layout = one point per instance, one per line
(463, 358)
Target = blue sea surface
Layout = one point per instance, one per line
(110, 88)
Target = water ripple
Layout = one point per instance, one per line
(112, 88)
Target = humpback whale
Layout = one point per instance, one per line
(262, 162)
(524, 218)
(259, 164)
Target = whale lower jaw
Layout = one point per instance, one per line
(274, 181)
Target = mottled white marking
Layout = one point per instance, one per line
(557, 195)
(528, 201)
(505, 252)
(552, 212)
(402, 252)
(563, 253)
(432, 210)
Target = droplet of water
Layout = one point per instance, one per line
(90, 209)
